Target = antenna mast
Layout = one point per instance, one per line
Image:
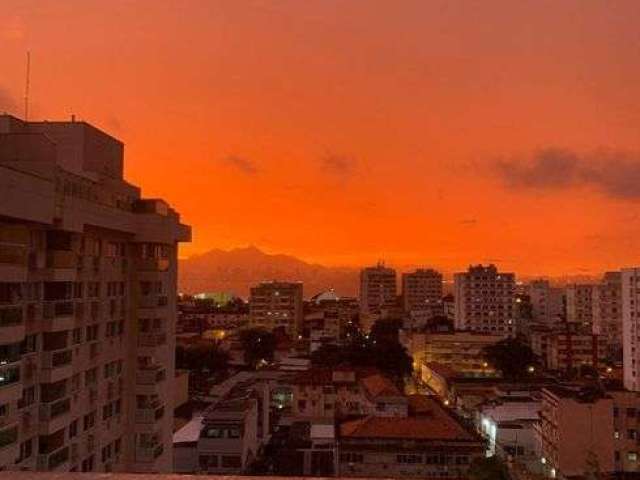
(26, 88)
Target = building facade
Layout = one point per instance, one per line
(631, 327)
(421, 288)
(88, 274)
(377, 289)
(579, 298)
(275, 305)
(485, 300)
(607, 310)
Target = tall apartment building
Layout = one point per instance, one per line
(607, 310)
(421, 288)
(630, 327)
(377, 289)
(579, 298)
(485, 300)
(87, 305)
(275, 305)
(547, 302)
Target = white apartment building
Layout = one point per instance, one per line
(485, 300)
(547, 302)
(87, 305)
(607, 310)
(579, 299)
(377, 288)
(630, 327)
(421, 289)
(277, 305)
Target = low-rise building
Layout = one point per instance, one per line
(430, 443)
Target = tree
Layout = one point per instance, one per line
(202, 357)
(258, 344)
(488, 468)
(387, 355)
(512, 357)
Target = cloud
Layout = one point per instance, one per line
(342, 166)
(469, 222)
(615, 173)
(7, 102)
(242, 164)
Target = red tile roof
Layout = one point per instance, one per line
(380, 386)
(436, 425)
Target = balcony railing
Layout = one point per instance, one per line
(153, 301)
(153, 264)
(58, 309)
(58, 359)
(9, 375)
(53, 460)
(148, 453)
(53, 410)
(10, 316)
(62, 259)
(149, 415)
(13, 255)
(151, 339)
(150, 375)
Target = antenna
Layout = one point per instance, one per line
(26, 88)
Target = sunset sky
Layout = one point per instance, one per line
(435, 132)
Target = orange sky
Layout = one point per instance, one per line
(343, 131)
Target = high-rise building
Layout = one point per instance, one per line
(547, 302)
(607, 310)
(87, 305)
(485, 300)
(275, 305)
(377, 288)
(631, 327)
(421, 289)
(579, 298)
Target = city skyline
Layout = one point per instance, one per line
(342, 134)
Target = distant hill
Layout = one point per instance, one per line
(238, 269)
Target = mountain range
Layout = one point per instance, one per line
(237, 270)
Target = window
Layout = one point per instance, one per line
(631, 434)
(26, 449)
(214, 433)
(632, 456)
(8, 436)
(350, 457)
(302, 404)
(631, 412)
(77, 336)
(73, 429)
(409, 458)
(89, 420)
(231, 461)
(208, 461)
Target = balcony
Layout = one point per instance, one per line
(147, 379)
(152, 339)
(14, 241)
(58, 315)
(54, 416)
(153, 264)
(8, 445)
(11, 324)
(61, 265)
(56, 366)
(150, 414)
(148, 453)
(10, 386)
(153, 301)
(56, 461)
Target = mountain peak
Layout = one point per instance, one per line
(238, 269)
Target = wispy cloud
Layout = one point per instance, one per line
(614, 173)
(337, 165)
(242, 164)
